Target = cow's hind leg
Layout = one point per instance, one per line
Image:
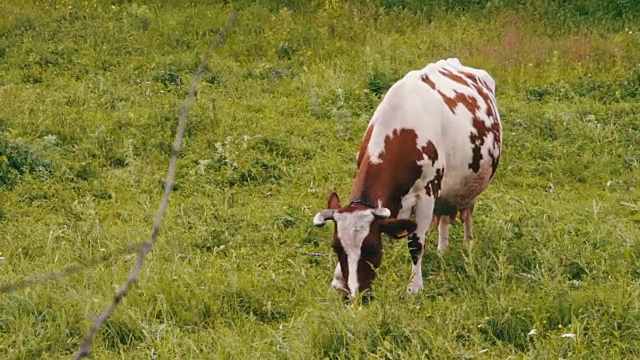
(443, 230)
(466, 216)
(423, 215)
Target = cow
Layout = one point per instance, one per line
(431, 147)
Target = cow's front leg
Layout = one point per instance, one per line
(338, 282)
(424, 213)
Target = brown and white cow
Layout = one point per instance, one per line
(431, 147)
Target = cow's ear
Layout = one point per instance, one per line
(333, 202)
(397, 228)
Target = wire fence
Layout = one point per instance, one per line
(69, 270)
(148, 244)
(143, 247)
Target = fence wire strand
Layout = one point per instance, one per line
(148, 244)
(71, 269)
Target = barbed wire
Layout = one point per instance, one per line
(69, 270)
(97, 260)
(148, 244)
(309, 253)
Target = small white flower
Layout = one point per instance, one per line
(608, 183)
(568, 335)
(483, 351)
(202, 164)
(532, 332)
(280, 326)
(245, 139)
(51, 139)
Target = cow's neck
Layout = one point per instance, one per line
(373, 186)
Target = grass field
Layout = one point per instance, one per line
(89, 99)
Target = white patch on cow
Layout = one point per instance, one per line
(407, 201)
(338, 280)
(352, 228)
(353, 259)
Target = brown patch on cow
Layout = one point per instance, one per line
(392, 178)
(370, 258)
(457, 78)
(484, 91)
(479, 139)
(431, 152)
(474, 79)
(471, 104)
(467, 101)
(352, 208)
(450, 102)
(371, 249)
(434, 185)
(482, 129)
(364, 145)
(425, 79)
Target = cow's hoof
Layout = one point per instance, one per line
(338, 285)
(415, 287)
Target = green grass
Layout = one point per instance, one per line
(89, 99)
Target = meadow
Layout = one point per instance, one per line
(90, 93)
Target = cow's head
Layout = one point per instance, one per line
(357, 238)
